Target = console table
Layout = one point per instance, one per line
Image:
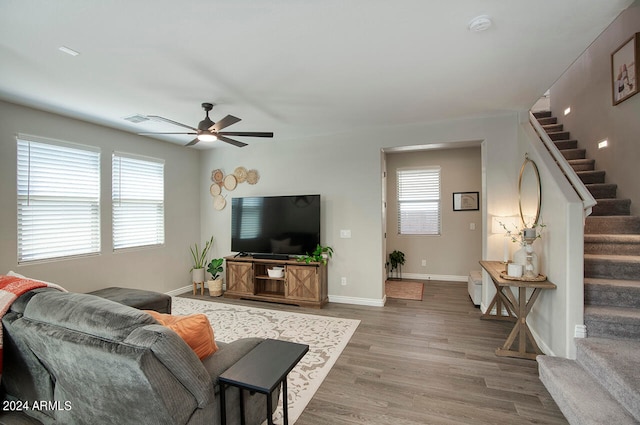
(517, 309)
(262, 370)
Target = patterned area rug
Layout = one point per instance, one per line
(404, 290)
(326, 337)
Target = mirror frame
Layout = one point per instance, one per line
(526, 162)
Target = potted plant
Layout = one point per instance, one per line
(319, 255)
(215, 284)
(199, 261)
(396, 260)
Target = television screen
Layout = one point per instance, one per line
(281, 225)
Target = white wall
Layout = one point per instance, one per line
(557, 312)
(345, 169)
(161, 269)
(586, 88)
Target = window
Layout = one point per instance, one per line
(58, 199)
(138, 201)
(419, 201)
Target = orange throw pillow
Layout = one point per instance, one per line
(194, 329)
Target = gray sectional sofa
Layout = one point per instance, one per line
(82, 359)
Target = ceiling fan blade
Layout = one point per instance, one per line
(159, 118)
(231, 141)
(193, 142)
(247, 133)
(146, 134)
(224, 122)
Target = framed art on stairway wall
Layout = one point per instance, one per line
(624, 72)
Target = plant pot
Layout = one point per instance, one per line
(197, 275)
(215, 287)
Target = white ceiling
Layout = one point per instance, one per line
(294, 67)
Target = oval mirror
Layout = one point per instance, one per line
(529, 193)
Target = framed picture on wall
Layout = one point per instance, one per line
(624, 72)
(465, 201)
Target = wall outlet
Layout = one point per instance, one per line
(424, 263)
(343, 281)
(472, 226)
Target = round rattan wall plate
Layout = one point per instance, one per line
(253, 176)
(230, 182)
(217, 175)
(219, 202)
(241, 174)
(214, 189)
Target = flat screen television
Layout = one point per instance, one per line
(275, 226)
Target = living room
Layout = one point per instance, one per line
(344, 165)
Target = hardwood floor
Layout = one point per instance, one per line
(425, 362)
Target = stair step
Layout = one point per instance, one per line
(547, 120)
(612, 206)
(566, 144)
(625, 267)
(618, 224)
(542, 114)
(613, 244)
(589, 177)
(614, 365)
(582, 164)
(552, 128)
(579, 396)
(620, 293)
(612, 322)
(559, 135)
(603, 190)
(574, 153)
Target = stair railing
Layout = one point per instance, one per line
(588, 201)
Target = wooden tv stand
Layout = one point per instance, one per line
(302, 284)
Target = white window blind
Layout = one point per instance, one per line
(419, 201)
(58, 199)
(138, 201)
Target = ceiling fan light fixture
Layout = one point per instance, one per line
(207, 137)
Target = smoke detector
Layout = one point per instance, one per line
(480, 23)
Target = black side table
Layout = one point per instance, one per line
(262, 370)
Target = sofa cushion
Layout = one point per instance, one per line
(87, 314)
(194, 329)
(137, 298)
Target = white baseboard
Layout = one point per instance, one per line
(543, 346)
(445, 277)
(358, 301)
(179, 291)
(332, 298)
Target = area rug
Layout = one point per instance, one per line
(404, 289)
(326, 337)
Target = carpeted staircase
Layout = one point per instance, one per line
(603, 384)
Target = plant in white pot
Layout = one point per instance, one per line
(215, 284)
(199, 261)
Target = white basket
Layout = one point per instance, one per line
(275, 272)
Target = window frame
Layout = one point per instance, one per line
(119, 221)
(42, 188)
(433, 172)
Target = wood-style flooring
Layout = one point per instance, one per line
(425, 362)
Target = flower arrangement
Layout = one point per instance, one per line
(523, 235)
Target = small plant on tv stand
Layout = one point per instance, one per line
(319, 255)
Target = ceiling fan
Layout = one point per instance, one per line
(208, 131)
